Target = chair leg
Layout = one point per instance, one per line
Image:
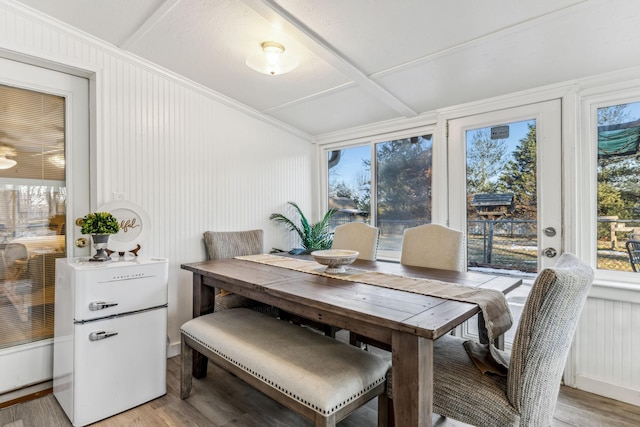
(186, 367)
(354, 341)
(391, 414)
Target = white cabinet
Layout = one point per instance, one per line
(110, 336)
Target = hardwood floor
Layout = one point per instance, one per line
(222, 400)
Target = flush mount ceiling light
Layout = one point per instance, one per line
(4, 162)
(272, 60)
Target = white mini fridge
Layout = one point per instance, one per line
(110, 339)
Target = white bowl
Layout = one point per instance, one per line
(335, 259)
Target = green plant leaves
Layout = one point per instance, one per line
(313, 236)
(99, 223)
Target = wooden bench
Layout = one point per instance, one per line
(316, 376)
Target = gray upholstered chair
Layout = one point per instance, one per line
(433, 246)
(527, 395)
(230, 244)
(357, 236)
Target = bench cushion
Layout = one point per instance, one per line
(317, 371)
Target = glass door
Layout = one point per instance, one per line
(40, 129)
(505, 177)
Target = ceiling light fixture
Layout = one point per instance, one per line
(272, 60)
(4, 162)
(7, 163)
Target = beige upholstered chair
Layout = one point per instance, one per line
(433, 246)
(357, 236)
(230, 244)
(527, 395)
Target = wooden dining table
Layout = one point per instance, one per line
(408, 322)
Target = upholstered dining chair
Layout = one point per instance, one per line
(633, 248)
(230, 244)
(357, 236)
(430, 246)
(16, 257)
(433, 246)
(527, 395)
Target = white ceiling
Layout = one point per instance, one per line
(366, 61)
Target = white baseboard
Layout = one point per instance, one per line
(173, 349)
(609, 390)
(25, 391)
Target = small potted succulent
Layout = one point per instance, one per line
(100, 225)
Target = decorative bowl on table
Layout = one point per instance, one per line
(335, 259)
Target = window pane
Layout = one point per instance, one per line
(502, 207)
(32, 212)
(618, 185)
(403, 184)
(350, 184)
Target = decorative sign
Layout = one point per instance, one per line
(134, 225)
(500, 132)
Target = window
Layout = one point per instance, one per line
(618, 162)
(398, 198)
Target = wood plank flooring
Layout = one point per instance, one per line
(222, 400)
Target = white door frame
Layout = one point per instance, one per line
(548, 116)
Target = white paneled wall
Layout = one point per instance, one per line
(180, 152)
(195, 162)
(607, 348)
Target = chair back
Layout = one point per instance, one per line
(433, 246)
(357, 236)
(633, 248)
(548, 323)
(229, 244)
(15, 259)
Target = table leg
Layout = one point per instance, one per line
(203, 303)
(412, 364)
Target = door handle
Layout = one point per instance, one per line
(550, 252)
(101, 305)
(100, 335)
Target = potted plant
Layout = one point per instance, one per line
(313, 236)
(100, 225)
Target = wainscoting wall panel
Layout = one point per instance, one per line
(192, 159)
(196, 161)
(606, 349)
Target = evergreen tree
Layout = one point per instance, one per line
(485, 160)
(519, 176)
(404, 179)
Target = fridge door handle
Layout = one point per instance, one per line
(100, 335)
(101, 305)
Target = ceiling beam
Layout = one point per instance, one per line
(273, 12)
(149, 23)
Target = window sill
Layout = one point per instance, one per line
(616, 290)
